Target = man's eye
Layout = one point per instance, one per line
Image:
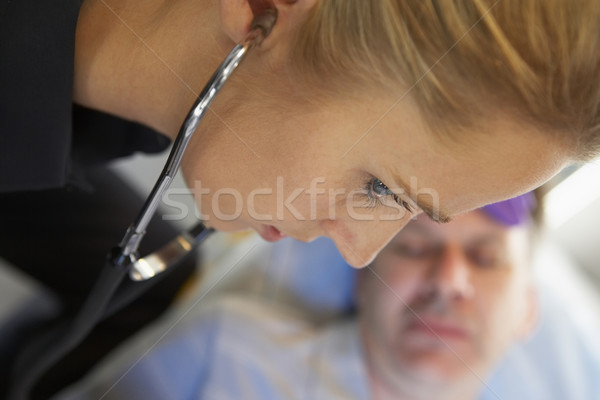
(486, 258)
(414, 250)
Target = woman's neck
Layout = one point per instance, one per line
(146, 60)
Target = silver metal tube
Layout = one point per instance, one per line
(261, 26)
(155, 263)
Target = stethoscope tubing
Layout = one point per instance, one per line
(104, 299)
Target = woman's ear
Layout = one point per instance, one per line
(237, 15)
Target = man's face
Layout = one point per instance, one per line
(442, 302)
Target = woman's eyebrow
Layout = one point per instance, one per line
(434, 213)
(432, 210)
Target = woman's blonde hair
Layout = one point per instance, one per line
(461, 59)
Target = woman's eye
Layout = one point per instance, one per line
(377, 191)
(379, 188)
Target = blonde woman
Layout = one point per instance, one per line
(352, 116)
(475, 100)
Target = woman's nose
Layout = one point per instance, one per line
(360, 243)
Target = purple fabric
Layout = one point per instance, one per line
(511, 212)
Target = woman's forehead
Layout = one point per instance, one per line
(459, 180)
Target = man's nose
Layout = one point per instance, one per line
(451, 273)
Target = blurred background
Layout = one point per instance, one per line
(567, 266)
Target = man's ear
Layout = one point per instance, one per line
(531, 314)
(237, 15)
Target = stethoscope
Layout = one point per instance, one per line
(103, 300)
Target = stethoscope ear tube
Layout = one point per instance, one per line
(52, 345)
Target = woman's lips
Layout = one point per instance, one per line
(270, 233)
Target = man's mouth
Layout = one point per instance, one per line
(438, 328)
